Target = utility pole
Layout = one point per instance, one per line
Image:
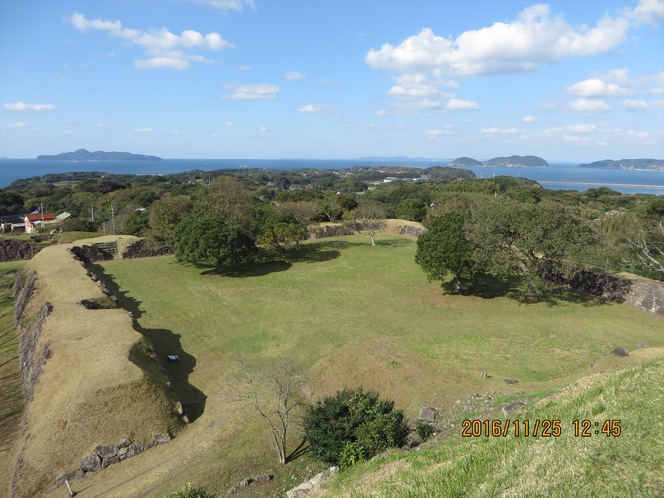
(91, 210)
(113, 217)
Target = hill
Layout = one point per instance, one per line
(508, 162)
(635, 164)
(99, 155)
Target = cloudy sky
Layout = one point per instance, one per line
(566, 80)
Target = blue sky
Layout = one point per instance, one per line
(565, 80)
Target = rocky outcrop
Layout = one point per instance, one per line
(17, 250)
(312, 484)
(143, 248)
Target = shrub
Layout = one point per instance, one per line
(424, 430)
(190, 492)
(353, 426)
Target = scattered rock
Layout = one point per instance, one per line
(619, 352)
(640, 346)
(428, 414)
(592, 364)
(106, 452)
(161, 438)
(246, 481)
(231, 491)
(91, 463)
(512, 407)
(306, 389)
(412, 424)
(510, 382)
(263, 478)
(122, 453)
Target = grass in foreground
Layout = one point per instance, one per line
(629, 465)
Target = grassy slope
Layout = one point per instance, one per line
(629, 465)
(356, 315)
(11, 393)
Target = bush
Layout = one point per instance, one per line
(353, 426)
(190, 492)
(424, 430)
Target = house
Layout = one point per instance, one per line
(34, 222)
(12, 223)
(63, 216)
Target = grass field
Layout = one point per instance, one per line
(356, 315)
(11, 392)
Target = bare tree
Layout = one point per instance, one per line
(649, 250)
(275, 392)
(369, 217)
(303, 211)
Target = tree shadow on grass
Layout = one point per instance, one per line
(167, 343)
(490, 287)
(393, 242)
(301, 450)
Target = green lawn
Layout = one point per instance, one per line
(359, 315)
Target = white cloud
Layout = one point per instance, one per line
(99, 125)
(649, 11)
(263, 129)
(167, 49)
(493, 130)
(588, 105)
(659, 78)
(294, 75)
(530, 119)
(642, 105)
(535, 37)
(143, 130)
(320, 109)
(252, 91)
(236, 5)
(21, 106)
(18, 124)
(380, 112)
(461, 105)
(595, 87)
(327, 81)
(417, 86)
(436, 135)
(228, 124)
(241, 68)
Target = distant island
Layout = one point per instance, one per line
(635, 164)
(98, 155)
(508, 162)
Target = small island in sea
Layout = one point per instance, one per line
(507, 162)
(98, 155)
(628, 164)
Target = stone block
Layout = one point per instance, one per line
(125, 443)
(161, 438)
(106, 451)
(109, 461)
(135, 449)
(91, 463)
(428, 414)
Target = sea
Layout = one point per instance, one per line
(560, 176)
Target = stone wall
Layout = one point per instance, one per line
(647, 295)
(411, 230)
(143, 248)
(328, 231)
(17, 250)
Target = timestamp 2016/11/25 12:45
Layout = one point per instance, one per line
(535, 428)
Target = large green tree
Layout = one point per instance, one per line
(165, 215)
(445, 249)
(212, 241)
(540, 240)
(281, 231)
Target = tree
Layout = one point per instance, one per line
(137, 224)
(512, 238)
(227, 199)
(369, 217)
(353, 426)
(445, 248)
(210, 240)
(412, 209)
(165, 216)
(274, 391)
(281, 231)
(303, 211)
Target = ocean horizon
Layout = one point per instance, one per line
(559, 176)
